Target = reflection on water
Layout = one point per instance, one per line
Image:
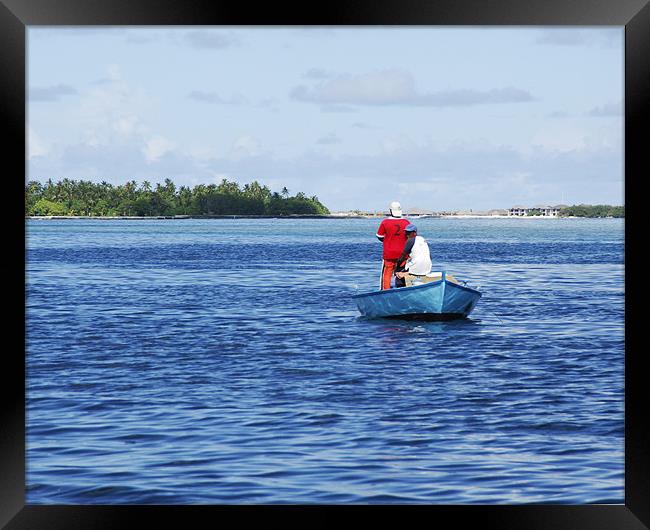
(187, 362)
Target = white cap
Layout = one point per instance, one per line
(396, 209)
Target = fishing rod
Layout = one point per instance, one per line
(493, 313)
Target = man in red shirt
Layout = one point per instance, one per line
(391, 233)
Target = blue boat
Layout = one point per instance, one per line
(441, 298)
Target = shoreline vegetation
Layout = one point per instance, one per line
(72, 199)
(79, 198)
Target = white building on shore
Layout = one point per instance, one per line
(542, 210)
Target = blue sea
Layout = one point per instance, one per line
(223, 361)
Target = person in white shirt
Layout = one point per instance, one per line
(417, 256)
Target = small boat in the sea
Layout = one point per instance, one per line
(439, 296)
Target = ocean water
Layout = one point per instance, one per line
(225, 362)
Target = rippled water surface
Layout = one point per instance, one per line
(224, 361)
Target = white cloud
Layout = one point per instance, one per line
(397, 144)
(155, 147)
(608, 109)
(143, 37)
(428, 186)
(567, 138)
(113, 112)
(246, 147)
(377, 88)
(36, 146)
(113, 133)
(602, 37)
(216, 99)
(329, 139)
(396, 87)
(317, 73)
(51, 93)
(268, 103)
(337, 108)
(562, 140)
(363, 125)
(114, 72)
(210, 39)
(126, 125)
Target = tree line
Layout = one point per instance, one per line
(589, 210)
(80, 197)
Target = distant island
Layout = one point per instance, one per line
(84, 198)
(547, 212)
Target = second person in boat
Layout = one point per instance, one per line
(416, 255)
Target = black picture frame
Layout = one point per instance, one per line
(17, 15)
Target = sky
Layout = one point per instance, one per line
(438, 118)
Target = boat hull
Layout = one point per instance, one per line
(440, 300)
